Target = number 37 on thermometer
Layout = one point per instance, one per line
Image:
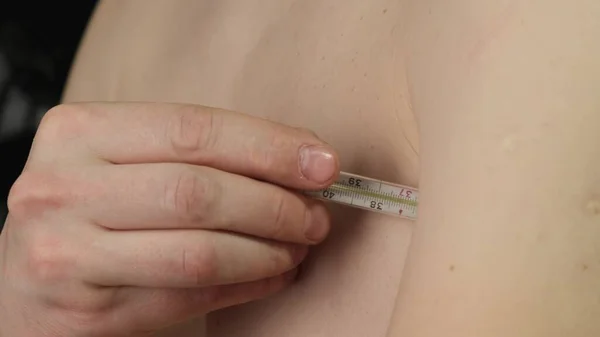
(371, 194)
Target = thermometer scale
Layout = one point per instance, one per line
(371, 194)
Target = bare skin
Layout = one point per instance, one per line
(318, 64)
(350, 75)
(508, 241)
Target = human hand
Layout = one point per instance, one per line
(130, 217)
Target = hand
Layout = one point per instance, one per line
(131, 217)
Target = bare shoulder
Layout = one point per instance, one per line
(508, 111)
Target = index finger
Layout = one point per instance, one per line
(132, 133)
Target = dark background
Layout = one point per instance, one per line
(38, 40)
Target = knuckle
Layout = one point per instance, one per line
(190, 196)
(47, 260)
(279, 209)
(269, 157)
(35, 192)
(193, 130)
(198, 265)
(63, 121)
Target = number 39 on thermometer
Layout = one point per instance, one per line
(371, 194)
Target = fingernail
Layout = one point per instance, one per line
(317, 163)
(316, 227)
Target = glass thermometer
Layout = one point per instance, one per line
(371, 194)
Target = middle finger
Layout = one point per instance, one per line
(170, 196)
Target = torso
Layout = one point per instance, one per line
(334, 67)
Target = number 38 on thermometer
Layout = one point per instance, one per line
(372, 194)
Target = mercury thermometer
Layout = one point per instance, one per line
(371, 194)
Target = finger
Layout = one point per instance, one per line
(150, 309)
(170, 196)
(129, 133)
(184, 259)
